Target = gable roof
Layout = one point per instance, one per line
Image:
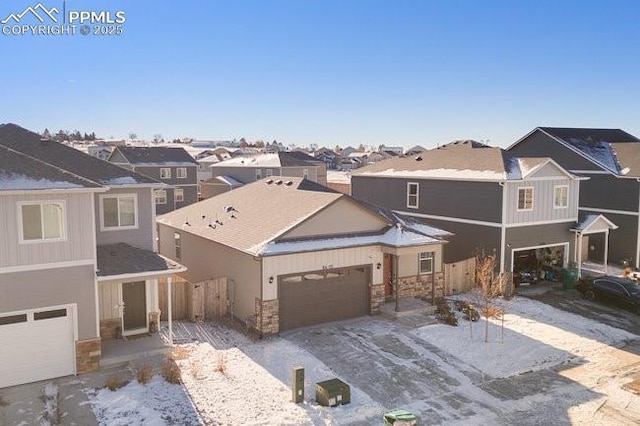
(599, 146)
(21, 172)
(64, 157)
(531, 165)
(252, 217)
(156, 155)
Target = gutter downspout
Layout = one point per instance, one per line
(503, 229)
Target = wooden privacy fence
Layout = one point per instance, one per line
(204, 300)
(459, 277)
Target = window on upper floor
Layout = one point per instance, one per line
(177, 242)
(525, 199)
(269, 172)
(181, 173)
(165, 173)
(412, 195)
(160, 196)
(560, 196)
(178, 195)
(258, 174)
(119, 212)
(305, 173)
(425, 263)
(42, 221)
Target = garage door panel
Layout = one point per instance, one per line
(37, 349)
(316, 301)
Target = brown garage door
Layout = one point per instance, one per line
(318, 297)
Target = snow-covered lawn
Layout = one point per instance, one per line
(229, 379)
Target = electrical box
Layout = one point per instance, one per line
(298, 385)
(333, 392)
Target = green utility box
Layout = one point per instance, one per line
(400, 418)
(569, 278)
(333, 392)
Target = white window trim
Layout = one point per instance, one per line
(556, 187)
(118, 228)
(63, 232)
(305, 173)
(533, 197)
(409, 206)
(162, 169)
(175, 195)
(429, 255)
(179, 174)
(155, 197)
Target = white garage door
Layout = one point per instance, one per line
(36, 345)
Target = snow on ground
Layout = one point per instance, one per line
(536, 336)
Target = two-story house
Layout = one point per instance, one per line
(523, 208)
(78, 259)
(237, 171)
(610, 158)
(172, 166)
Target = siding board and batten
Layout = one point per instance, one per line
(543, 194)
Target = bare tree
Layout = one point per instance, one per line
(491, 285)
(157, 138)
(133, 136)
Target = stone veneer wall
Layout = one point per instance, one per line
(88, 353)
(154, 322)
(377, 298)
(267, 317)
(111, 328)
(420, 286)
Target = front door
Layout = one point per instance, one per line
(387, 274)
(134, 298)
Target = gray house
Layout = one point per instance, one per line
(172, 166)
(78, 261)
(523, 208)
(247, 169)
(610, 158)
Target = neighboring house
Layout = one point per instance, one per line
(610, 158)
(205, 172)
(247, 169)
(172, 166)
(523, 208)
(415, 150)
(77, 257)
(339, 181)
(328, 156)
(218, 185)
(297, 253)
(99, 151)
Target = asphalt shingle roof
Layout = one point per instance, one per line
(156, 155)
(64, 157)
(121, 258)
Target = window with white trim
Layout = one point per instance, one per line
(178, 195)
(269, 172)
(165, 173)
(525, 199)
(160, 196)
(425, 262)
(181, 173)
(42, 221)
(412, 195)
(119, 211)
(560, 196)
(258, 174)
(305, 173)
(177, 242)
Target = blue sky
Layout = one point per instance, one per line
(331, 72)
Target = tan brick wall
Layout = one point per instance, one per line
(420, 286)
(267, 317)
(377, 298)
(111, 328)
(88, 353)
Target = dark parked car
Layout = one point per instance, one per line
(615, 290)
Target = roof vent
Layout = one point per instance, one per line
(269, 181)
(418, 158)
(278, 182)
(288, 183)
(229, 209)
(211, 225)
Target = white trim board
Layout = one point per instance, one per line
(622, 212)
(450, 219)
(565, 258)
(42, 266)
(541, 222)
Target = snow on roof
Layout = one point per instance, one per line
(228, 180)
(13, 181)
(441, 174)
(124, 180)
(589, 220)
(262, 160)
(336, 176)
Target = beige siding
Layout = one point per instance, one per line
(342, 217)
(273, 266)
(206, 259)
(52, 287)
(542, 201)
(408, 263)
(142, 236)
(77, 221)
(109, 300)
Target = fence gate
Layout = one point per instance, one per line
(208, 299)
(459, 277)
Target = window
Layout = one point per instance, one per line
(560, 197)
(269, 172)
(425, 263)
(42, 221)
(305, 173)
(412, 195)
(160, 196)
(13, 319)
(181, 172)
(56, 313)
(258, 174)
(165, 173)
(177, 242)
(178, 195)
(525, 199)
(119, 212)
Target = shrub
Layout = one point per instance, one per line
(171, 371)
(221, 363)
(444, 313)
(144, 374)
(179, 353)
(114, 382)
(470, 313)
(493, 312)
